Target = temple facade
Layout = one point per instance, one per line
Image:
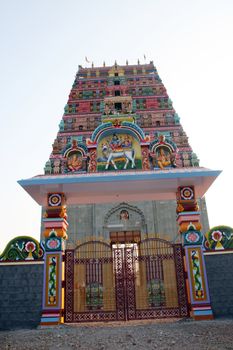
(133, 101)
(123, 213)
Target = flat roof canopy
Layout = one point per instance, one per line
(120, 185)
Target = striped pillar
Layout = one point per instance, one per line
(55, 227)
(188, 219)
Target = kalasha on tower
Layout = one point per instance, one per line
(123, 208)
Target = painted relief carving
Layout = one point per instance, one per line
(163, 158)
(55, 199)
(74, 161)
(22, 248)
(198, 284)
(145, 158)
(118, 151)
(75, 157)
(187, 193)
(56, 166)
(186, 201)
(163, 154)
(124, 215)
(219, 238)
(52, 263)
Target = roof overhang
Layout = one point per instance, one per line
(120, 185)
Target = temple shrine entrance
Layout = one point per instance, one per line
(124, 281)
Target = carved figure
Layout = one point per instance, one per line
(163, 159)
(115, 142)
(124, 215)
(56, 168)
(48, 167)
(127, 142)
(74, 162)
(55, 146)
(61, 125)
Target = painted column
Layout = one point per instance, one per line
(188, 218)
(55, 227)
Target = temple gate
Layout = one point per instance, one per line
(124, 281)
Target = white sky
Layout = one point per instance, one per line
(43, 42)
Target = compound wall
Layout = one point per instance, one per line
(219, 273)
(21, 285)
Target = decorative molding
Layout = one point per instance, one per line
(22, 248)
(219, 238)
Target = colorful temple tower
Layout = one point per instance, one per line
(134, 102)
(122, 199)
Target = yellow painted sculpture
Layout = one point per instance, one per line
(163, 159)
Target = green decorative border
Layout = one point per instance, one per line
(22, 248)
(219, 238)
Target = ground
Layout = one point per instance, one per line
(137, 335)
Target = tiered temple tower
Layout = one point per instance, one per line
(118, 95)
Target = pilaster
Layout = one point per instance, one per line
(188, 219)
(55, 225)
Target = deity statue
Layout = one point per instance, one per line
(74, 162)
(124, 215)
(163, 159)
(115, 142)
(56, 166)
(127, 142)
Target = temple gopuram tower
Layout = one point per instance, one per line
(122, 198)
(107, 97)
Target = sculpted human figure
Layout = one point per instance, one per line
(115, 142)
(127, 142)
(74, 162)
(163, 159)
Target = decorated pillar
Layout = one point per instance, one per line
(55, 227)
(188, 218)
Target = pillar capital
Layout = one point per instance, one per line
(55, 217)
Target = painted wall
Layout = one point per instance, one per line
(20, 294)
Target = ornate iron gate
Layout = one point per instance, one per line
(124, 281)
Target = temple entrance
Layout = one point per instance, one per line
(124, 281)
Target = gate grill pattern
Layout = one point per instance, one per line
(119, 278)
(69, 287)
(180, 280)
(124, 281)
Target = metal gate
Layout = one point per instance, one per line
(124, 281)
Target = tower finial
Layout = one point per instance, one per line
(138, 61)
(115, 64)
(127, 62)
(92, 64)
(104, 63)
